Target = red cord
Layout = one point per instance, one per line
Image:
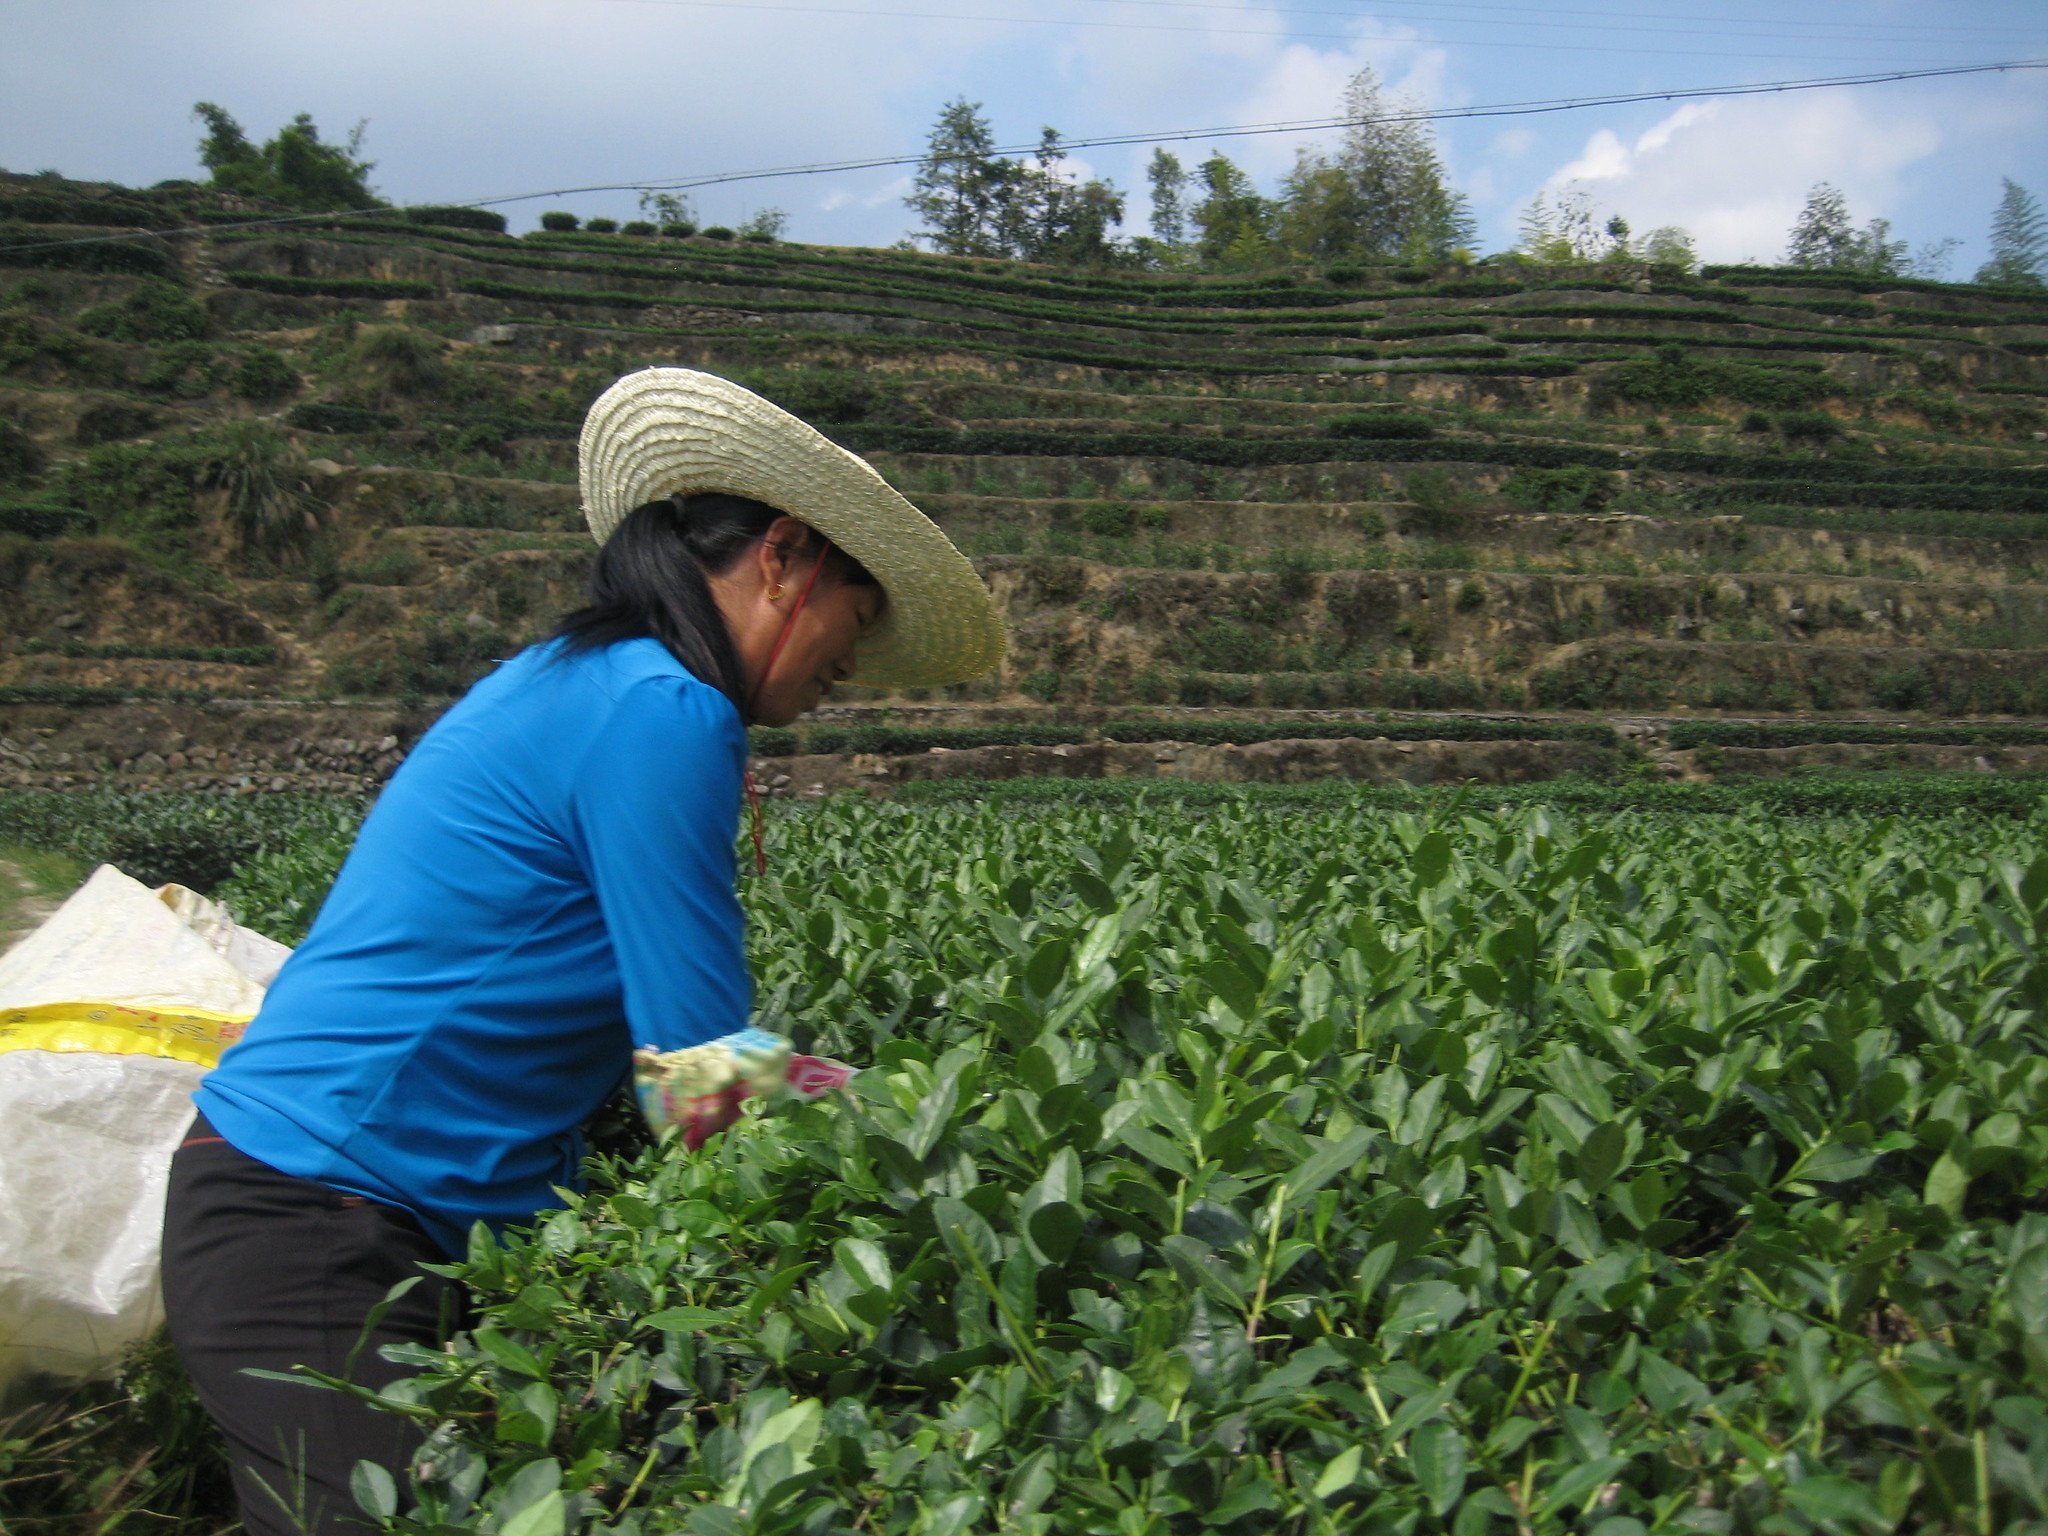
(753, 789)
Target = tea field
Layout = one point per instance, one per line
(1310, 1164)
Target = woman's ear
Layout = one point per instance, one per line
(781, 553)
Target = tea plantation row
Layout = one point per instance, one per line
(1261, 1163)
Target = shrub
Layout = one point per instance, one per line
(1221, 646)
(718, 232)
(322, 416)
(485, 219)
(602, 226)
(1379, 424)
(559, 222)
(636, 227)
(43, 519)
(254, 465)
(1574, 488)
(264, 375)
(680, 230)
(184, 370)
(1436, 495)
(1109, 519)
(109, 421)
(1042, 685)
(20, 458)
(156, 311)
(1756, 421)
(397, 360)
(1901, 688)
(1809, 426)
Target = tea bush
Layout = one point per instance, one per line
(1268, 1168)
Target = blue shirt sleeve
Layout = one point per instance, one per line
(656, 810)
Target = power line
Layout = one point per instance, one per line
(1175, 135)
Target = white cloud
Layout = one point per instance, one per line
(1605, 158)
(1735, 173)
(1512, 144)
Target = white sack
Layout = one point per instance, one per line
(86, 1138)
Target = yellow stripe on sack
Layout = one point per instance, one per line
(197, 1035)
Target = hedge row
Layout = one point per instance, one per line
(1885, 794)
(1957, 496)
(43, 519)
(1238, 453)
(1687, 461)
(79, 693)
(228, 655)
(320, 416)
(135, 258)
(1732, 733)
(334, 287)
(197, 840)
(900, 740)
(1015, 297)
(70, 208)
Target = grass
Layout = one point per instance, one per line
(32, 884)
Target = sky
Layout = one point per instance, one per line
(465, 100)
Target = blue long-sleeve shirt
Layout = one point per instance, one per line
(547, 882)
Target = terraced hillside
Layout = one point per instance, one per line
(285, 492)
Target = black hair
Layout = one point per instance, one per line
(651, 579)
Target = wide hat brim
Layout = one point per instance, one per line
(674, 431)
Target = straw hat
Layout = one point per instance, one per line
(668, 431)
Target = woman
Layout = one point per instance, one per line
(545, 884)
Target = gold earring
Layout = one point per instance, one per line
(775, 593)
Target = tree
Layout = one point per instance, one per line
(1536, 227)
(1233, 221)
(669, 210)
(1934, 258)
(961, 187)
(768, 224)
(1317, 216)
(2019, 240)
(1395, 203)
(297, 167)
(1670, 246)
(1872, 250)
(1822, 236)
(225, 147)
(1169, 198)
(1566, 233)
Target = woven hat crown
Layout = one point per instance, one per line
(675, 431)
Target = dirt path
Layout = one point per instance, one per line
(27, 896)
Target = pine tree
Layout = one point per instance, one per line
(962, 189)
(2019, 240)
(1821, 236)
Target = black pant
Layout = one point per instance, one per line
(262, 1270)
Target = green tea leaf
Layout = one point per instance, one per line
(1436, 1454)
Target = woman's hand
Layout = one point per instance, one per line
(711, 1113)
